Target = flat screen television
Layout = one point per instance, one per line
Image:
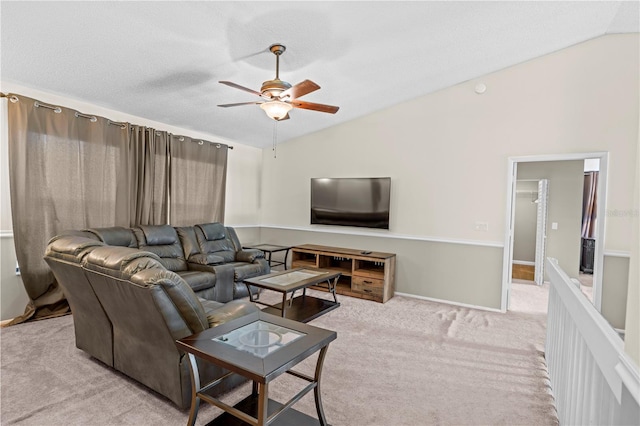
(360, 202)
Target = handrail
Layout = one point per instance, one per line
(588, 368)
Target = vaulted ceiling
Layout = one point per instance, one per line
(163, 60)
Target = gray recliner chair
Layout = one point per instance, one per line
(163, 241)
(94, 335)
(150, 308)
(216, 240)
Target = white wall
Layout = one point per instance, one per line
(447, 152)
(241, 207)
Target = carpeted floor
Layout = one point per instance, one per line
(406, 362)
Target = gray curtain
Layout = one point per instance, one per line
(148, 175)
(198, 174)
(66, 172)
(71, 171)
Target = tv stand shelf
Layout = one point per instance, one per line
(367, 275)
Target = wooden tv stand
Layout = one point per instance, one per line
(367, 275)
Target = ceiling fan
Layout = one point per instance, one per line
(281, 97)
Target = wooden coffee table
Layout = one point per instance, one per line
(260, 347)
(303, 308)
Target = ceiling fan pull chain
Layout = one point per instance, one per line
(275, 138)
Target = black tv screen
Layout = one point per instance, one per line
(360, 202)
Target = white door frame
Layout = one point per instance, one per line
(507, 260)
(541, 230)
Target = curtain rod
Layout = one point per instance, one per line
(93, 119)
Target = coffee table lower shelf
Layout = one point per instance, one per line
(303, 308)
(249, 405)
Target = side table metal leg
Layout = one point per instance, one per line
(195, 388)
(286, 254)
(263, 403)
(316, 390)
(284, 304)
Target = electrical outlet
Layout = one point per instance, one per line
(482, 226)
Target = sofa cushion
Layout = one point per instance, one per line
(230, 311)
(198, 280)
(181, 295)
(187, 235)
(162, 240)
(206, 259)
(115, 236)
(156, 235)
(213, 231)
(210, 242)
(242, 271)
(71, 248)
(120, 262)
(74, 233)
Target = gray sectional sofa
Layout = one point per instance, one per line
(209, 256)
(134, 292)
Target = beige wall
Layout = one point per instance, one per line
(420, 265)
(632, 323)
(524, 229)
(447, 152)
(615, 283)
(13, 297)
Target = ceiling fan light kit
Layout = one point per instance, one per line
(280, 96)
(276, 110)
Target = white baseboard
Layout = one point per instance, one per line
(524, 262)
(449, 302)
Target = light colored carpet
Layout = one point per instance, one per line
(406, 362)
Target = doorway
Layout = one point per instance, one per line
(559, 227)
(530, 230)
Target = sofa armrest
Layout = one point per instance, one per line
(206, 259)
(230, 311)
(249, 255)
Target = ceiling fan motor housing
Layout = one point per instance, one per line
(272, 88)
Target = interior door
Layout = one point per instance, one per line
(541, 229)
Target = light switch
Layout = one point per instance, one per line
(554, 225)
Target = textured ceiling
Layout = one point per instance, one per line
(163, 60)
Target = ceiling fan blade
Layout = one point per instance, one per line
(300, 89)
(315, 107)
(239, 104)
(237, 86)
